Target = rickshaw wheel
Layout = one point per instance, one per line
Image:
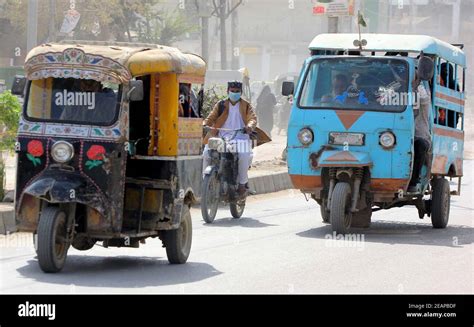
(237, 208)
(178, 241)
(340, 214)
(210, 197)
(441, 200)
(52, 239)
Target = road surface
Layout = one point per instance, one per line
(280, 246)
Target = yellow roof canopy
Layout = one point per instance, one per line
(113, 62)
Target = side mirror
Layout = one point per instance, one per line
(425, 69)
(136, 91)
(287, 88)
(18, 87)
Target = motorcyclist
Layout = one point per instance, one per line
(232, 114)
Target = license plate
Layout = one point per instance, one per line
(346, 138)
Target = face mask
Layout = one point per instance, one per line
(234, 96)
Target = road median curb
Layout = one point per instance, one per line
(270, 183)
(7, 219)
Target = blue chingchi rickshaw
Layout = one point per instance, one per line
(351, 134)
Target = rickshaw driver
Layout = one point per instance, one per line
(104, 102)
(88, 85)
(238, 114)
(422, 142)
(345, 92)
(339, 85)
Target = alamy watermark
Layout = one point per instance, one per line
(335, 240)
(233, 146)
(389, 97)
(16, 240)
(66, 98)
(37, 310)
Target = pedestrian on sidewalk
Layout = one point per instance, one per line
(266, 102)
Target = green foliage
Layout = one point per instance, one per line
(9, 116)
(164, 28)
(10, 109)
(212, 95)
(2, 179)
(105, 20)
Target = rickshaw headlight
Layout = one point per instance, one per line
(387, 140)
(62, 151)
(306, 136)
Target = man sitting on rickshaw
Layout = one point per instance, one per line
(102, 108)
(422, 143)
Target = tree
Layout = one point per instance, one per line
(163, 27)
(16, 12)
(9, 118)
(105, 20)
(223, 10)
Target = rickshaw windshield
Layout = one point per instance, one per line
(358, 83)
(69, 100)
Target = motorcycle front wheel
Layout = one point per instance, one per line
(210, 197)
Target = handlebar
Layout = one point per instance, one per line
(207, 128)
(236, 131)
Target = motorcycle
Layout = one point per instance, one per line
(220, 177)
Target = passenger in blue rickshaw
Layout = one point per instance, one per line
(423, 137)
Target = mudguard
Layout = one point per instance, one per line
(209, 170)
(67, 187)
(338, 158)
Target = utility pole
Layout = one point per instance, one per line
(234, 23)
(52, 21)
(333, 23)
(222, 11)
(413, 17)
(32, 29)
(389, 18)
(456, 18)
(204, 12)
(223, 36)
(205, 38)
